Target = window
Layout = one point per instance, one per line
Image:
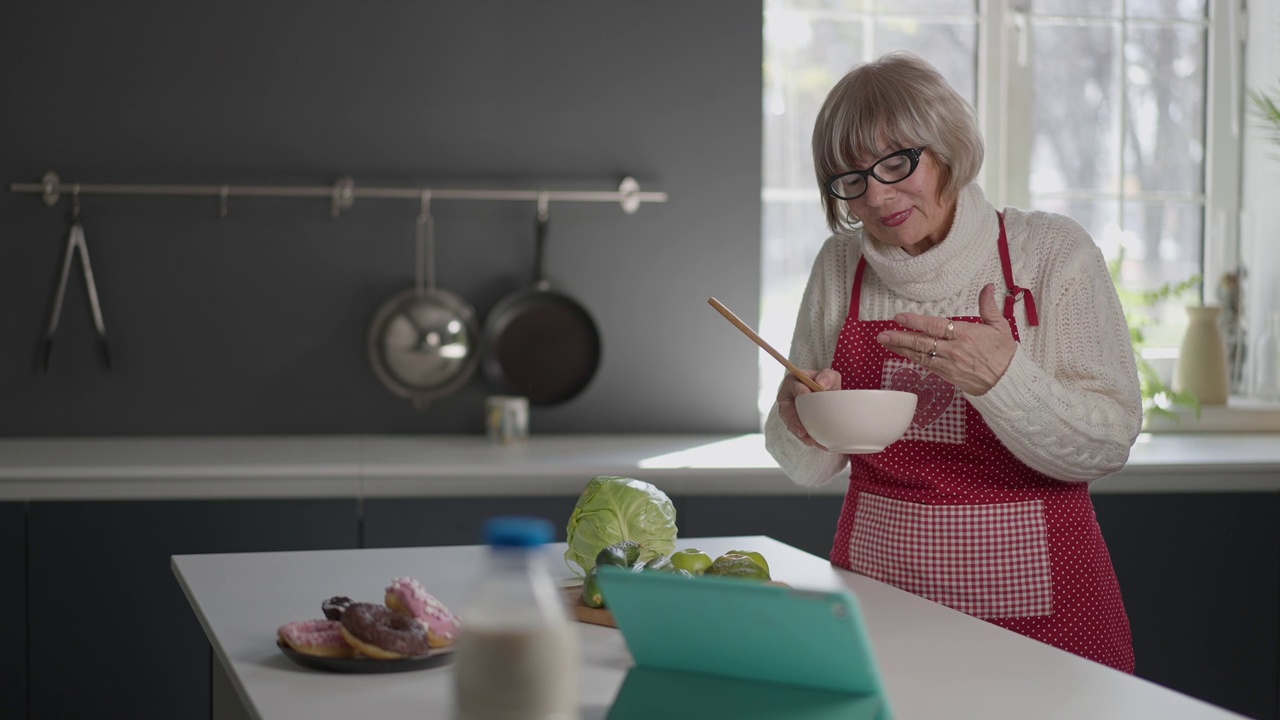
(1118, 113)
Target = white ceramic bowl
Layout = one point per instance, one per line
(856, 421)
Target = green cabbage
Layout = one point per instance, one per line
(612, 509)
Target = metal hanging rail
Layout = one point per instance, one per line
(342, 194)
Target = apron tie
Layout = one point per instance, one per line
(1015, 291)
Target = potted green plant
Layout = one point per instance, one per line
(1158, 396)
(1266, 109)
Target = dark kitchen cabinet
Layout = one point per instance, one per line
(807, 522)
(13, 608)
(418, 522)
(111, 633)
(1200, 574)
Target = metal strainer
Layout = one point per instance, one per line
(422, 342)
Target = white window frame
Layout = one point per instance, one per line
(1004, 80)
(1004, 44)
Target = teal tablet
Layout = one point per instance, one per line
(750, 631)
(652, 694)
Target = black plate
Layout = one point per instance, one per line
(368, 665)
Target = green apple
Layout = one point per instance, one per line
(757, 557)
(736, 565)
(691, 560)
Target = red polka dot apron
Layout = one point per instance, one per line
(948, 513)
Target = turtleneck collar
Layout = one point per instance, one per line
(945, 269)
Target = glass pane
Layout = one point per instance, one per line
(1076, 8)
(950, 47)
(803, 59)
(1075, 115)
(828, 7)
(1100, 218)
(1179, 9)
(932, 7)
(1162, 242)
(793, 231)
(1164, 143)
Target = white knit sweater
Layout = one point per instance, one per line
(1069, 404)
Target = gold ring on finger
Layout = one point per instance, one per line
(950, 334)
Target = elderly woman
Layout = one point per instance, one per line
(1006, 326)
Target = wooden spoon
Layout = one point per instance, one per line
(728, 314)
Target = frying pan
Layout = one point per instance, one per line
(540, 343)
(423, 342)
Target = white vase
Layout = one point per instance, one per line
(1202, 362)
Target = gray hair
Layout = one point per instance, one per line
(894, 102)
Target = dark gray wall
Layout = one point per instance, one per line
(256, 323)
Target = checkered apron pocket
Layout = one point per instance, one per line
(989, 561)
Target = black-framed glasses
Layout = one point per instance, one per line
(888, 170)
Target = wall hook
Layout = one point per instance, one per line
(424, 203)
(50, 187)
(629, 189)
(544, 206)
(344, 195)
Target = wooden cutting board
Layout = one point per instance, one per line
(572, 595)
(596, 616)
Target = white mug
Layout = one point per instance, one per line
(507, 419)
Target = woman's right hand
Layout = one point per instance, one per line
(791, 388)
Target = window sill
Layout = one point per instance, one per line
(1239, 415)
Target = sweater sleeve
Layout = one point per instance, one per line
(822, 312)
(1074, 412)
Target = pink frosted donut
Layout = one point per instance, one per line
(316, 637)
(408, 596)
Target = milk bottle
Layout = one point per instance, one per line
(517, 657)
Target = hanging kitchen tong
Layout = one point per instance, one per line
(75, 246)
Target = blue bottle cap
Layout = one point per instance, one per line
(517, 531)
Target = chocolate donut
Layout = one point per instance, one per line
(380, 632)
(334, 606)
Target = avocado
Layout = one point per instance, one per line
(661, 563)
(622, 554)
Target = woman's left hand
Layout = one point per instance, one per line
(971, 356)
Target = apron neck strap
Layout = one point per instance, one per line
(1006, 266)
(856, 301)
(1015, 292)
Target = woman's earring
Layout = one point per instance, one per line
(853, 222)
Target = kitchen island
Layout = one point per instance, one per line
(1192, 522)
(936, 663)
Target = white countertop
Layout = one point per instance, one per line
(935, 662)
(468, 465)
